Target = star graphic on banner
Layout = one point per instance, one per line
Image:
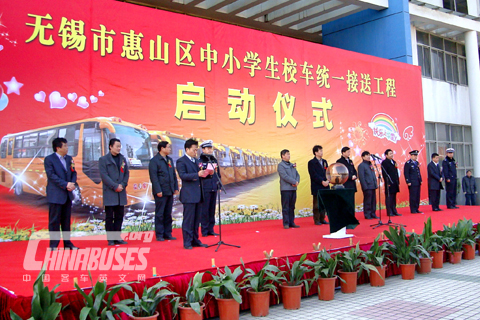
(357, 150)
(13, 86)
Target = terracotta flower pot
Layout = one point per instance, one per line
(326, 288)
(425, 266)
(468, 251)
(228, 309)
(291, 296)
(408, 271)
(478, 245)
(350, 284)
(187, 313)
(154, 317)
(378, 280)
(259, 302)
(455, 257)
(437, 259)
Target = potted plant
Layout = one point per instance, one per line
(425, 265)
(294, 276)
(190, 305)
(376, 256)
(455, 237)
(466, 228)
(259, 285)
(351, 263)
(145, 307)
(405, 249)
(98, 302)
(324, 269)
(226, 291)
(44, 302)
(433, 244)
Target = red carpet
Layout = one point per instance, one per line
(171, 260)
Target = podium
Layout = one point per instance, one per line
(340, 207)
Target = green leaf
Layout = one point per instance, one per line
(84, 313)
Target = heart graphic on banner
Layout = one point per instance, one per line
(82, 102)
(93, 99)
(72, 97)
(57, 101)
(3, 101)
(100, 93)
(40, 96)
(1, 47)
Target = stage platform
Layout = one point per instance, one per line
(177, 265)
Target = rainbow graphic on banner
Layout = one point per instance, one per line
(384, 127)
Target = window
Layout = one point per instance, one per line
(441, 59)
(456, 5)
(3, 148)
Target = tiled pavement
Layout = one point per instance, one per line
(452, 292)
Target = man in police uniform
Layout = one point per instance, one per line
(449, 172)
(210, 189)
(414, 180)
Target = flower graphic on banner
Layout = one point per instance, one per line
(384, 127)
(408, 133)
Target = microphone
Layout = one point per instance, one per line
(375, 157)
(208, 156)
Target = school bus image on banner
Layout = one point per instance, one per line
(22, 154)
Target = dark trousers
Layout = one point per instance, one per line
(414, 198)
(369, 203)
(434, 197)
(391, 203)
(59, 216)
(190, 224)
(163, 216)
(470, 199)
(113, 222)
(207, 215)
(288, 198)
(318, 216)
(451, 188)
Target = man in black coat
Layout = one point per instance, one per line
(164, 187)
(434, 182)
(411, 170)
(352, 172)
(210, 188)
(191, 194)
(392, 180)
(317, 168)
(449, 171)
(61, 179)
(368, 182)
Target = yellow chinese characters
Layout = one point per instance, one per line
(39, 30)
(243, 105)
(320, 111)
(189, 111)
(284, 104)
(72, 34)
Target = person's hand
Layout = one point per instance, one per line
(448, 180)
(409, 184)
(325, 183)
(176, 192)
(160, 194)
(354, 177)
(476, 191)
(201, 173)
(441, 179)
(70, 186)
(119, 188)
(466, 193)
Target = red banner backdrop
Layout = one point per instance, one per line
(92, 70)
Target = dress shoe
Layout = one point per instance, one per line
(375, 217)
(325, 222)
(414, 212)
(439, 209)
(294, 226)
(121, 242)
(160, 239)
(286, 227)
(203, 245)
(420, 212)
(318, 223)
(111, 243)
(52, 248)
(205, 235)
(188, 248)
(170, 238)
(456, 207)
(72, 247)
(213, 234)
(396, 214)
(450, 207)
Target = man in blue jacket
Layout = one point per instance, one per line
(368, 182)
(61, 179)
(469, 188)
(434, 182)
(317, 168)
(449, 166)
(191, 194)
(164, 187)
(289, 180)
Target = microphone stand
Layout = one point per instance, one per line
(219, 187)
(380, 223)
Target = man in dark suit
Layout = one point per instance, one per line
(114, 172)
(411, 170)
(392, 180)
(434, 182)
(317, 168)
(368, 182)
(164, 187)
(352, 172)
(210, 189)
(62, 176)
(449, 171)
(191, 194)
